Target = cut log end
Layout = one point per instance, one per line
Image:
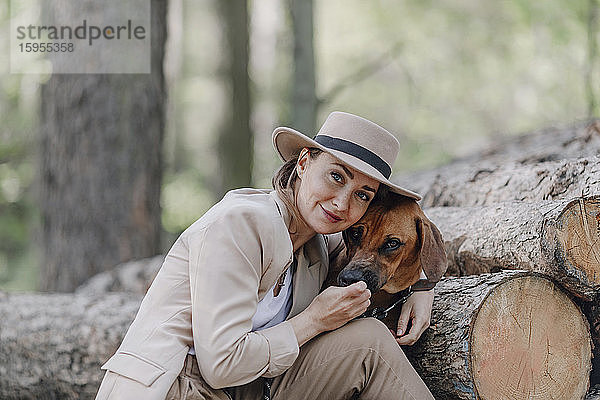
(578, 232)
(530, 341)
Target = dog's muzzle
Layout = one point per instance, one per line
(357, 271)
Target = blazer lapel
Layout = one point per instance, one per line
(311, 270)
(282, 251)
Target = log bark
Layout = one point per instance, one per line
(496, 336)
(487, 183)
(131, 277)
(536, 166)
(580, 139)
(557, 238)
(592, 310)
(52, 345)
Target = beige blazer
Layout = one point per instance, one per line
(205, 296)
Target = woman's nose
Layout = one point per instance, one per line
(341, 201)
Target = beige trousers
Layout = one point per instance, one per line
(359, 360)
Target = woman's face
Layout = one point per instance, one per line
(331, 196)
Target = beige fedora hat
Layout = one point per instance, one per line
(357, 142)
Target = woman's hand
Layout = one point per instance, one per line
(331, 309)
(337, 305)
(417, 311)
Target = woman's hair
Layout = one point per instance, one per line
(284, 183)
(383, 194)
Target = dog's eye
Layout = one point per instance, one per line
(355, 234)
(392, 244)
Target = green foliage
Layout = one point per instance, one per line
(24, 272)
(445, 77)
(184, 199)
(467, 71)
(17, 211)
(18, 113)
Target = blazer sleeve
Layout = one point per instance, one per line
(227, 257)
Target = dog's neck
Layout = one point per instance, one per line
(383, 299)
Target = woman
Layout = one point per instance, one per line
(235, 311)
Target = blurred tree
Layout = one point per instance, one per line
(304, 98)
(235, 141)
(362, 72)
(100, 168)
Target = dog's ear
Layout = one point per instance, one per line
(432, 254)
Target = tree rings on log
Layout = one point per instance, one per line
(507, 335)
(578, 232)
(528, 340)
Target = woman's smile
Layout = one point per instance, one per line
(330, 216)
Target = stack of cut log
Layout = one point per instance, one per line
(522, 230)
(518, 315)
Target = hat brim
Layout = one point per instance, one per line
(287, 142)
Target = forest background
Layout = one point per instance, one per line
(445, 77)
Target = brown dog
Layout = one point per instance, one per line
(388, 248)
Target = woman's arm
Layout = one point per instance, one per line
(417, 311)
(228, 255)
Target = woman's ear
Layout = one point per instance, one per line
(302, 162)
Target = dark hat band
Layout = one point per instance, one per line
(357, 151)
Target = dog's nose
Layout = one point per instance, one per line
(349, 276)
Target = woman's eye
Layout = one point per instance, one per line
(337, 177)
(363, 196)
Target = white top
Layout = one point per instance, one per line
(273, 310)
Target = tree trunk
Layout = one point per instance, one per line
(52, 345)
(304, 97)
(100, 168)
(235, 143)
(557, 238)
(524, 168)
(510, 335)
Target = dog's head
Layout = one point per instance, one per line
(390, 245)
